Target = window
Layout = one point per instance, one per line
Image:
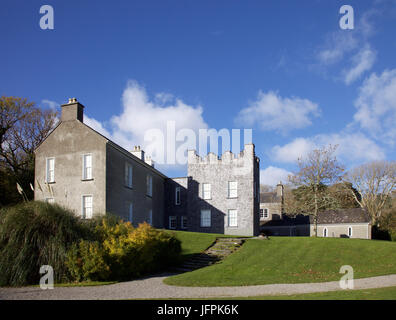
(172, 222)
(232, 189)
(87, 207)
(205, 218)
(128, 175)
(87, 166)
(232, 218)
(50, 170)
(264, 213)
(325, 232)
(184, 222)
(177, 196)
(206, 191)
(50, 200)
(350, 232)
(149, 185)
(130, 212)
(150, 217)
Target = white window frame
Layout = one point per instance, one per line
(206, 222)
(128, 175)
(83, 212)
(350, 228)
(149, 184)
(266, 213)
(206, 194)
(183, 222)
(325, 232)
(232, 220)
(172, 219)
(177, 196)
(261, 213)
(47, 170)
(233, 191)
(85, 176)
(130, 212)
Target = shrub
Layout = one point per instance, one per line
(86, 261)
(34, 234)
(124, 253)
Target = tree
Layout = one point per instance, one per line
(23, 126)
(317, 170)
(374, 182)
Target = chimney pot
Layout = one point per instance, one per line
(73, 110)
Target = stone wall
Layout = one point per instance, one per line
(243, 168)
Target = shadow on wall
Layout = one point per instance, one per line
(190, 206)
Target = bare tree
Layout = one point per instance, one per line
(317, 170)
(23, 126)
(374, 183)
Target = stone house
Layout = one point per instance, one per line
(342, 223)
(77, 167)
(348, 223)
(221, 195)
(271, 204)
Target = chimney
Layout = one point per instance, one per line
(137, 152)
(73, 110)
(279, 190)
(149, 161)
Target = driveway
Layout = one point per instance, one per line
(154, 288)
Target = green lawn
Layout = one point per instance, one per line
(195, 242)
(294, 260)
(388, 293)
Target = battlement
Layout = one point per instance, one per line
(227, 157)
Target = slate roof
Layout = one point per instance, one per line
(353, 215)
(269, 197)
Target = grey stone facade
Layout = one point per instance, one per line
(81, 169)
(67, 144)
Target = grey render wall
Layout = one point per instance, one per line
(244, 169)
(118, 195)
(67, 144)
(359, 230)
(173, 209)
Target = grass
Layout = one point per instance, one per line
(294, 260)
(195, 242)
(388, 293)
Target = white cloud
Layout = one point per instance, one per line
(140, 115)
(337, 44)
(352, 147)
(96, 125)
(362, 62)
(272, 175)
(376, 105)
(273, 112)
(289, 153)
(53, 105)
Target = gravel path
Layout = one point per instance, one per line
(154, 288)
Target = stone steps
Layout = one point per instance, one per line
(220, 249)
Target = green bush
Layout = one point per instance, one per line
(37, 233)
(124, 253)
(34, 234)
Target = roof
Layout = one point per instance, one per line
(269, 197)
(352, 215)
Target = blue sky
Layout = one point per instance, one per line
(283, 68)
